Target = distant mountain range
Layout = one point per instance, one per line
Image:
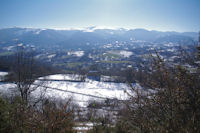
(92, 35)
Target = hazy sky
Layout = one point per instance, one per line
(164, 15)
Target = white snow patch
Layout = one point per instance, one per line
(107, 45)
(171, 50)
(7, 88)
(51, 56)
(125, 53)
(20, 44)
(76, 53)
(3, 73)
(38, 31)
(82, 128)
(9, 48)
(62, 77)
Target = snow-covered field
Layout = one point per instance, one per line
(2, 74)
(76, 53)
(123, 53)
(126, 54)
(89, 87)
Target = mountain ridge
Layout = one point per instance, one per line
(92, 35)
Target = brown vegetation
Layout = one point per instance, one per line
(173, 106)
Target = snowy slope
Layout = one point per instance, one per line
(2, 74)
(90, 87)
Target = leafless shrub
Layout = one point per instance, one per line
(172, 106)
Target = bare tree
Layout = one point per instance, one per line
(24, 73)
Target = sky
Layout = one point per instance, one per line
(162, 15)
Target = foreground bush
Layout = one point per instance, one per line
(173, 106)
(50, 116)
